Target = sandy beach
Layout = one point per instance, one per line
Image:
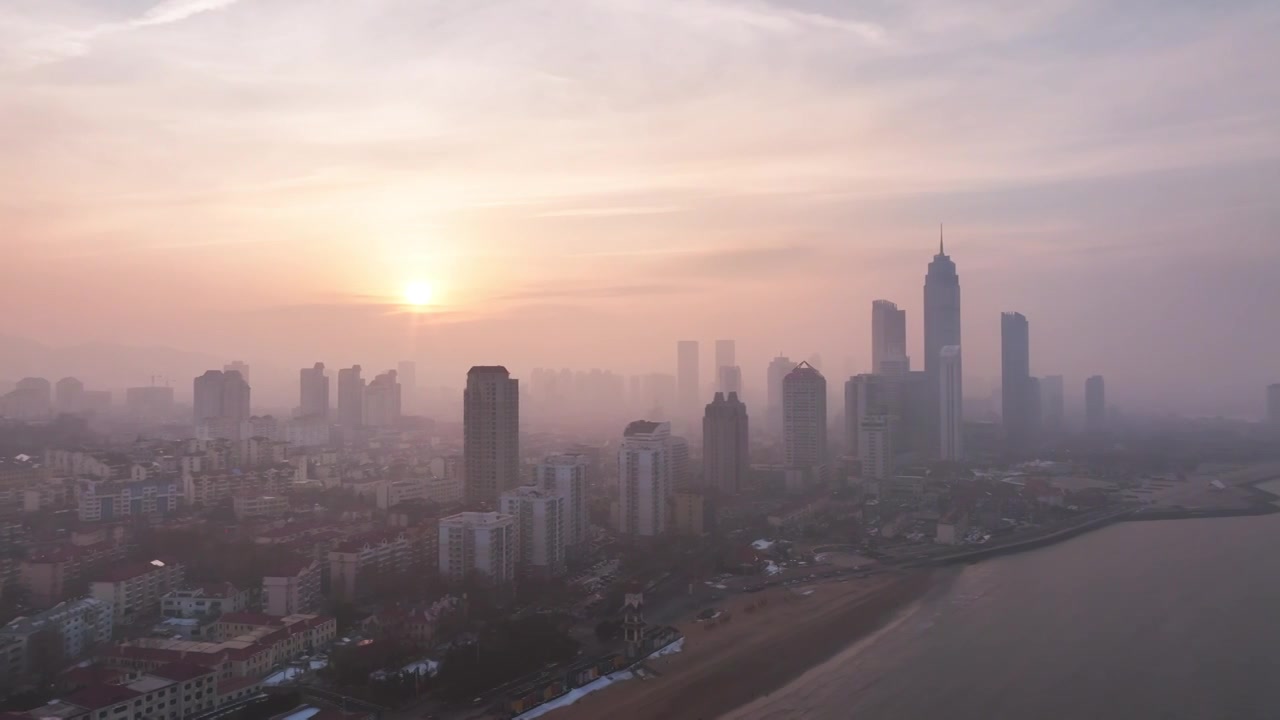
(757, 651)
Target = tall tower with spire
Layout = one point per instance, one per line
(941, 308)
(941, 324)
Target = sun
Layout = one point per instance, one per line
(417, 293)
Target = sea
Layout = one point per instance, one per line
(1161, 619)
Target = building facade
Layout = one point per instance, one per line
(313, 392)
(726, 459)
(888, 337)
(491, 434)
(951, 417)
(135, 590)
(566, 475)
(645, 468)
(541, 528)
(804, 417)
(1015, 379)
(480, 547)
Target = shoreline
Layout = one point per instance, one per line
(721, 678)
(760, 651)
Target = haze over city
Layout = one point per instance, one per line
(580, 184)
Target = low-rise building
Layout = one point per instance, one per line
(246, 645)
(247, 506)
(392, 493)
(135, 589)
(205, 600)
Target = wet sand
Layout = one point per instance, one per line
(756, 652)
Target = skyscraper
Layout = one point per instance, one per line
(407, 374)
(941, 309)
(382, 400)
(490, 434)
(350, 397)
(804, 417)
(239, 366)
(1095, 403)
(1015, 379)
(220, 395)
(951, 418)
(888, 336)
(729, 379)
(726, 354)
(1273, 404)
(687, 376)
(645, 467)
(1052, 404)
(68, 395)
(725, 458)
(778, 369)
(313, 392)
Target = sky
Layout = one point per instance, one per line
(581, 183)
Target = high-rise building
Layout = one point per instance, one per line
(941, 309)
(152, 402)
(407, 372)
(566, 475)
(478, 546)
(1052, 403)
(313, 392)
(645, 483)
(31, 399)
(778, 369)
(951, 418)
(1273, 404)
(382, 401)
(1095, 403)
(1015, 379)
(875, 443)
(69, 395)
(888, 336)
(239, 366)
(804, 417)
(726, 354)
(540, 522)
(730, 379)
(221, 395)
(687, 375)
(725, 453)
(867, 395)
(490, 434)
(350, 397)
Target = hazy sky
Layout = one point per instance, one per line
(582, 182)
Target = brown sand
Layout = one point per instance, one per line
(755, 653)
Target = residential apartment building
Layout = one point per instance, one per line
(135, 589)
(567, 475)
(291, 588)
(479, 546)
(206, 600)
(81, 625)
(107, 500)
(540, 521)
(354, 563)
(253, 506)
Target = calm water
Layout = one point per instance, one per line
(1175, 619)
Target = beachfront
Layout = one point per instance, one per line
(770, 638)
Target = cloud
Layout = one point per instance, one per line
(611, 211)
(551, 292)
(62, 43)
(171, 11)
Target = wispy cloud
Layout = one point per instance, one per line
(611, 211)
(66, 43)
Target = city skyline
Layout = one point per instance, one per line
(443, 224)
